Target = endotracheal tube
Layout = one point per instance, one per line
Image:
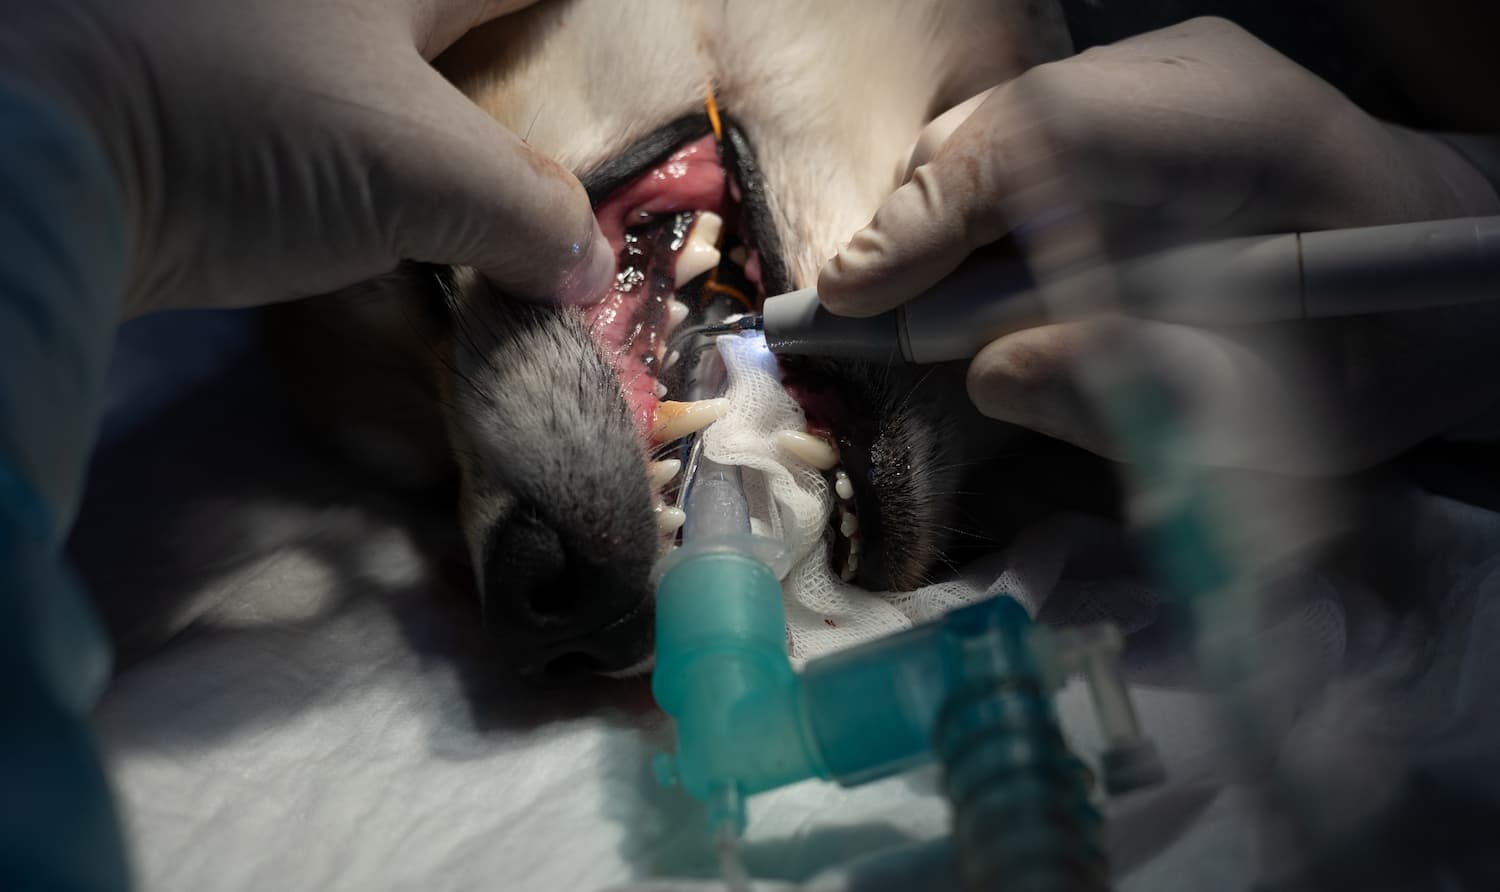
(973, 690)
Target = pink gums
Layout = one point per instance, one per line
(629, 324)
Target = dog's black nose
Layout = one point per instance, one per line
(561, 600)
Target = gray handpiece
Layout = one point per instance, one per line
(976, 304)
(1233, 282)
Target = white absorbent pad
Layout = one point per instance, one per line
(791, 501)
(329, 716)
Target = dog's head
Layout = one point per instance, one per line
(548, 412)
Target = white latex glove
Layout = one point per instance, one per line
(1193, 132)
(282, 148)
(172, 153)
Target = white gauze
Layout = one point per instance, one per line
(791, 501)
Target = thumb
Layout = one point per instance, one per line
(438, 24)
(456, 187)
(1236, 399)
(950, 206)
(940, 129)
(1027, 378)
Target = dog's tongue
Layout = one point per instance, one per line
(646, 222)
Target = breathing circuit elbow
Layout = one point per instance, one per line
(973, 689)
(723, 674)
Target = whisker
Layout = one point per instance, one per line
(948, 562)
(969, 534)
(906, 400)
(460, 320)
(538, 114)
(444, 361)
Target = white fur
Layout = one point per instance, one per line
(832, 94)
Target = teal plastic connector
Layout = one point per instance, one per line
(722, 672)
(747, 722)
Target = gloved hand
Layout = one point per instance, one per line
(283, 148)
(1193, 132)
(174, 153)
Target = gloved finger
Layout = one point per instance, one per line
(456, 187)
(1239, 403)
(951, 205)
(437, 26)
(1027, 378)
(937, 132)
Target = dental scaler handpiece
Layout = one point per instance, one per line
(1260, 279)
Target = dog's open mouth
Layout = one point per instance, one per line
(688, 225)
(667, 228)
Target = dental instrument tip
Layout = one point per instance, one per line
(738, 326)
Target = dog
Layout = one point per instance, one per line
(544, 415)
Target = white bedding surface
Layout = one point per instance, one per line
(327, 714)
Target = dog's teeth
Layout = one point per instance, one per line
(842, 485)
(816, 451)
(660, 473)
(671, 359)
(706, 228)
(848, 523)
(695, 260)
(851, 566)
(669, 518)
(675, 420)
(660, 391)
(701, 253)
(677, 311)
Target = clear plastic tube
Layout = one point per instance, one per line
(731, 865)
(715, 502)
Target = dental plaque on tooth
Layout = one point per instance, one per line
(675, 420)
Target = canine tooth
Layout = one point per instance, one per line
(848, 523)
(843, 485)
(847, 574)
(695, 260)
(701, 253)
(816, 451)
(676, 419)
(851, 566)
(706, 228)
(660, 390)
(669, 518)
(677, 311)
(671, 359)
(660, 473)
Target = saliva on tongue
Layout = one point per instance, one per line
(648, 223)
